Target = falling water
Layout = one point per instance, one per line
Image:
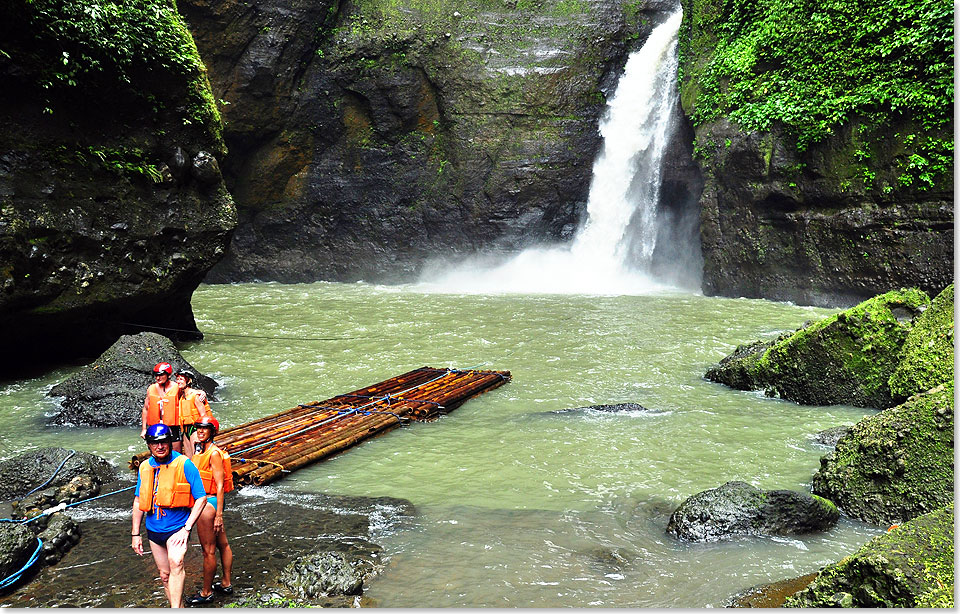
(613, 250)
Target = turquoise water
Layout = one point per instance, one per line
(519, 502)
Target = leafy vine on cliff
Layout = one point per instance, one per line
(817, 65)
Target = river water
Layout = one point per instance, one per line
(521, 499)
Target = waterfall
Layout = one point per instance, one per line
(612, 252)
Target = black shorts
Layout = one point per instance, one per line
(189, 429)
(175, 430)
(161, 538)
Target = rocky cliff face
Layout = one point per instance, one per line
(827, 162)
(112, 206)
(367, 139)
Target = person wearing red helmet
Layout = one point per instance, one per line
(192, 405)
(160, 406)
(217, 476)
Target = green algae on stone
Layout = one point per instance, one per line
(926, 360)
(909, 566)
(846, 358)
(895, 465)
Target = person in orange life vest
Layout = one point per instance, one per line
(170, 492)
(160, 406)
(192, 405)
(214, 466)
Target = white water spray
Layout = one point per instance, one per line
(624, 193)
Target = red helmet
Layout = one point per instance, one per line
(163, 367)
(209, 421)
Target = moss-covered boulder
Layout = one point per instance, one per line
(911, 566)
(926, 359)
(737, 508)
(847, 358)
(895, 465)
(112, 209)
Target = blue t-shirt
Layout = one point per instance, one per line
(166, 519)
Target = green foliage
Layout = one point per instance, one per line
(125, 162)
(816, 65)
(132, 48)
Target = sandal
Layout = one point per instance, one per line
(199, 599)
(220, 588)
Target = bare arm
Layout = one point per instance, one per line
(143, 418)
(180, 537)
(136, 540)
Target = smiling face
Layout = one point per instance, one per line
(204, 433)
(181, 381)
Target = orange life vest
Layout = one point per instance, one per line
(171, 488)
(189, 414)
(202, 461)
(161, 406)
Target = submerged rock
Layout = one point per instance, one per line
(830, 436)
(911, 566)
(609, 408)
(737, 508)
(33, 469)
(110, 390)
(895, 465)
(324, 573)
(770, 595)
(847, 358)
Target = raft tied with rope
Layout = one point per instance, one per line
(266, 449)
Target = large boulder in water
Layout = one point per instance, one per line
(847, 358)
(17, 544)
(20, 475)
(895, 465)
(324, 573)
(110, 391)
(737, 508)
(926, 360)
(911, 566)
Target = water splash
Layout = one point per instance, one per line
(613, 250)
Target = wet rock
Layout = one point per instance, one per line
(96, 240)
(60, 534)
(911, 566)
(82, 472)
(608, 408)
(325, 573)
(830, 436)
(847, 358)
(895, 465)
(110, 390)
(737, 508)
(205, 169)
(927, 356)
(17, 544)
(770, 595)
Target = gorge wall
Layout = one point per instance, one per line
(112, 208)
(825, 136)
(367, 138)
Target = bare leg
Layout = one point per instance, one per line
(208, 543)
(226, 558)
(163, 566)
(177, 446)
(177, 574)
(186, 444)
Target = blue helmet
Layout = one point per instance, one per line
(158, 433)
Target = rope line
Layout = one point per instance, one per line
(194, 332)
(72, 452)
(11, 579)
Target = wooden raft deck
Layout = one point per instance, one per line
(266, 449)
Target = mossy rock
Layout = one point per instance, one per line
(910, 566)
(895, 465)
(926, 360)
(847, 358)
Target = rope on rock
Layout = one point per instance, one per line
(11, 579)
(72, 452)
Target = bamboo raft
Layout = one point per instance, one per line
(266, 449)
